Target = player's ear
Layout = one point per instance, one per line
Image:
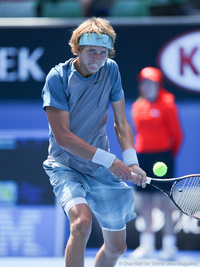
(80, 49)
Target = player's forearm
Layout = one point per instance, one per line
(79, 147)
(124, 135)
(76, 146)
(59, 121)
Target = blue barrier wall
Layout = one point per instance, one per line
(27, 119)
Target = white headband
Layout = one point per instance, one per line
(95, 39)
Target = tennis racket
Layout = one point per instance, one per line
(183, 191)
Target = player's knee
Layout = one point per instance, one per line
(117, 249)
(81, 227)
(120, 250)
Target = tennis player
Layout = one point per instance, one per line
(84, 174)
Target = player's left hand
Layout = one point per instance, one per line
(138, 176)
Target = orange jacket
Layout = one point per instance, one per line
(157, 124)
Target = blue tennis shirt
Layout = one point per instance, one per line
(86, 100)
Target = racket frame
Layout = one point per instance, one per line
(175, 180)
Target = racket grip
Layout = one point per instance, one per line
(148, 180)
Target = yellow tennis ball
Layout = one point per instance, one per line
(159, 169)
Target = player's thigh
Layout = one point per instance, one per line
(79, 211)
(115, 240)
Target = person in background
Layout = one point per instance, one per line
(158, 138)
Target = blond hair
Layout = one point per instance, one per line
(92, 25)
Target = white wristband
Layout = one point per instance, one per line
(104, 158)
(130, 157)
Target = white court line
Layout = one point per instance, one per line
(184, 258)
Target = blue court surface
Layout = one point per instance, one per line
(184, 258)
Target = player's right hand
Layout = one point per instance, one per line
(138, 176)
(121, 171)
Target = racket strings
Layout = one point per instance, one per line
(186, 194)
(193, 196)
(183, 198)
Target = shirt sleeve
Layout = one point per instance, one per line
(53, 93)
(117, 92)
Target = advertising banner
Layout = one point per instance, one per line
(27, 54)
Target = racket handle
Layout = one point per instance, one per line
(148, 180)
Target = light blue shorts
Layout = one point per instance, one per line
(111, 200)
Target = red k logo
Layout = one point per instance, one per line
(179, 60)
